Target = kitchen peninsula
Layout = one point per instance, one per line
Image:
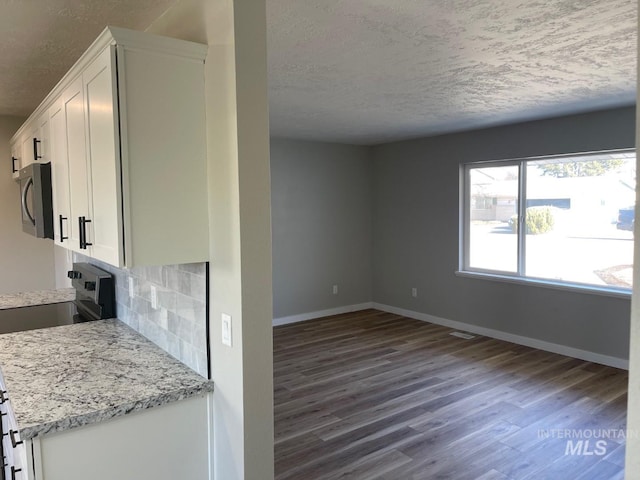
(98, 400)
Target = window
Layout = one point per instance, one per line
(565, 219)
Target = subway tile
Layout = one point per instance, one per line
(122, 297)
(200, 336)
(178, 281)
(190, 308)
(140, 305)
(160, 318)
(137, 272)
(173, 345)
(187, 354)
(167, 299)
(201, 362)
(198, 287)
(195, 268)
(171, 279)
(173, 322)
(185, 330)
(143, 288)
(154, 274)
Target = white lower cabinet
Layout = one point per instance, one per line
(168, 442)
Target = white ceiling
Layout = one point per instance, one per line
(41, 39)
(371, 71)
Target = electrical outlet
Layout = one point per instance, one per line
(154, 297)
(132, 287)
(226, 329)
(414, 292)
(335, 289)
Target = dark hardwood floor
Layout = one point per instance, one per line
(372, 395)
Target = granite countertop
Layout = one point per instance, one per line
(64, 377)
(41, 297)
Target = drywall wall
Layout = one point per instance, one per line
(415, 232)
(240, 226)
(632, 459)
(26, 262)
(321, 226)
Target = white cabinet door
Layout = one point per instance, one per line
(103, 150)
(40, 141)
(27, 148)
(73, 102)
(167, 442)
(59, 173)
(35, 142)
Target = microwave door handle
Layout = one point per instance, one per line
(25, 206)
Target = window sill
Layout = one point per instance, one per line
(571, 287)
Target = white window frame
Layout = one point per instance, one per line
(519, 277)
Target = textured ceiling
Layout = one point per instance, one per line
(370, 71)
(41, 39)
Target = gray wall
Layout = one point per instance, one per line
(26, 262)
(321, 226)
(415, 232)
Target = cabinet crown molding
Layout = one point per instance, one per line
(130, 39)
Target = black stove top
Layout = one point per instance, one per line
(39, 316)
(95, 299)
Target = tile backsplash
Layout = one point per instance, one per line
(178, 324)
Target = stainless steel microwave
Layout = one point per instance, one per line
(36, 200)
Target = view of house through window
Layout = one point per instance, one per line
(577, 218)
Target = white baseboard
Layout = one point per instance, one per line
(509, 337)
(321, 313)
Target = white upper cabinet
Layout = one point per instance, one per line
(102, 230)
(31, 143)
(128, 150)
(60, 174)
(72, 102)
(35, 140)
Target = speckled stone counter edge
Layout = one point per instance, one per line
(40, 297)
(90, 337)
(33, 431)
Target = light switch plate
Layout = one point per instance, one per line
(226, 329)
(154, 297)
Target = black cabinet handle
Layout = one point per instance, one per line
(3, 396)
(14, 442)
(36, 156)
(82, 223)
(13, 164)
(62, 237)
(14, 470)
(80, 232)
